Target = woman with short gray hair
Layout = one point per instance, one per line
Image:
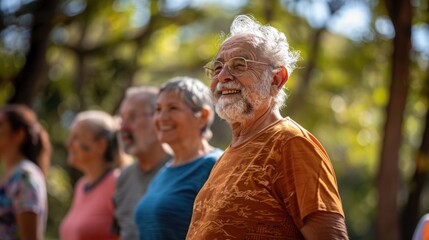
(183, 116)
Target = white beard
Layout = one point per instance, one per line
(243, 109)
(233, 111)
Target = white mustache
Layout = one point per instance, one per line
(234, 85)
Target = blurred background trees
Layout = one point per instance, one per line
(361, 86)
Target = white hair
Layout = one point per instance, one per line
(99, 120)
(273, 43)
(147, 93)
(104, 126)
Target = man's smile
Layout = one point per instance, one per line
(228, 92)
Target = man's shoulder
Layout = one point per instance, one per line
(287, 129)
(129, 170)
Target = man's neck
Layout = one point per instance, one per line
(243, 131)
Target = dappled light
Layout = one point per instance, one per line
(84, 54)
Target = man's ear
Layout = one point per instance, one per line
(280, 78)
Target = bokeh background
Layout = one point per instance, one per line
(361, 86)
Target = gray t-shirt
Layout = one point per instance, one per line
(131, 185)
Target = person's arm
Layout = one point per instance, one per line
(28, 226)
(324, 225)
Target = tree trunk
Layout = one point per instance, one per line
(299, 94)
(387, 224)
(30, 79)
(269, 10)
(410, 213)
(79, 82)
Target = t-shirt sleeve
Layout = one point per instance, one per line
(307, 183)
(120, 182)
(26, 191)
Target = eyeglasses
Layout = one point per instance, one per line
(236, 66)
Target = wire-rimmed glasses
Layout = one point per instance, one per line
(236, 66)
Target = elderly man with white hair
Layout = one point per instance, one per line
(275, 180)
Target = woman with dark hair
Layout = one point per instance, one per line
(25, 153)
(92, 149)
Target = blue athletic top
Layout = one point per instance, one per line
(165, 211)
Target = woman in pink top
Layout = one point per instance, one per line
(92, 147)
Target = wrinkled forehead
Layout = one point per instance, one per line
(136, 103)
(243, 45)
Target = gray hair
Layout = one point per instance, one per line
(273, 43)
(148, 93)
(104, 126)
(195, 95)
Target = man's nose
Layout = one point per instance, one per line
(225, 75)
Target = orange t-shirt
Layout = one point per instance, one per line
(425, 232)
(264, 188)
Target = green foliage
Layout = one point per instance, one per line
(95, 54)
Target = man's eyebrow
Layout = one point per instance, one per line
(220, 59)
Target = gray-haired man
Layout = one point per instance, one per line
(139, 139)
